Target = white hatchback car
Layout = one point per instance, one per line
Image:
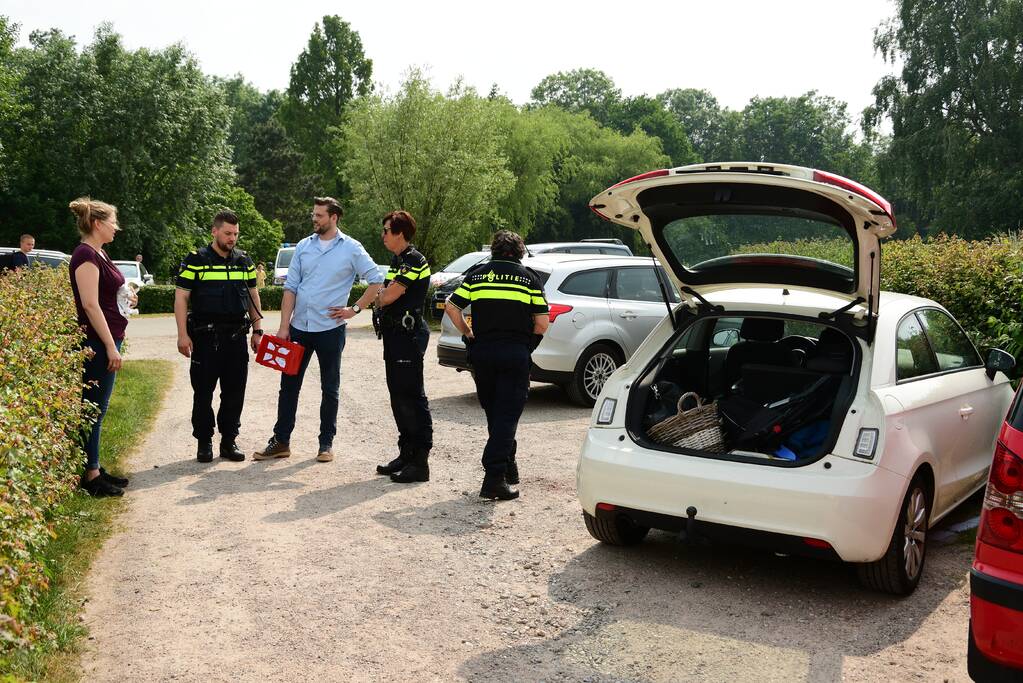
(850, 419)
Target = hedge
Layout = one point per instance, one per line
(41, 415)
(160, 298)
(980, 283)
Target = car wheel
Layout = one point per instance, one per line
(594, 367)
(617, 530)
(899, 570)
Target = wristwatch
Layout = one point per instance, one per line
(257, 332)
(357, 308)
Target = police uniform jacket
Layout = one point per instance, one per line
(218, 285)
(409, 268)
(504, 295)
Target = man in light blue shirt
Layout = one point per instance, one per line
(314, 312)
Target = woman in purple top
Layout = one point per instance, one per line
(95, 281)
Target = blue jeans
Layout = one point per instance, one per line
(99, 384)
(327, 346)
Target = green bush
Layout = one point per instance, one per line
(41, 416)
(160, 298)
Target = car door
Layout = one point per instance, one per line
(636, 304)
(926, 405)
(981, 401)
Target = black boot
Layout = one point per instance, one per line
(416, 470)
(495, 487)
(100, 487)
(119, 482)
(392, 467)
(229, 451)
(396, 465)
(205, 451)
(511, 475)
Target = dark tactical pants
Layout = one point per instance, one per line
(403, 364)
(502, 385)
(221, 356)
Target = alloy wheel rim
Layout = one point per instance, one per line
(915, 533)
(596, 372)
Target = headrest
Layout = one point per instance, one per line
(762, 329)
(833, 353)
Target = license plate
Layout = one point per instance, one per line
(439, 305)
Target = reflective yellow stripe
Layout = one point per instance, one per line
(229, 275)
(499, 294)
(539, 301)
(187, 274)
(463, 292)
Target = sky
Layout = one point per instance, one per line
(736, 49)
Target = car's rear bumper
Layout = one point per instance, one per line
(996, 624)
(456, 357)
(851, 506)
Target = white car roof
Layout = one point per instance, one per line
(548, 261)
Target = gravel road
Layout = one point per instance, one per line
(295, 570)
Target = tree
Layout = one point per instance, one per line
(700, 115)
(955, 156)
(437, 157)
(589, 90)
(327, 75)
(650, 116)
(268, 163)
(144, 130)
(810, 130)
(10, 107)
(259, 237)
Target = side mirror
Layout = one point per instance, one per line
(998, 361)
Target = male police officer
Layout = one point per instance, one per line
(220, 283)
(509, 315)
(399, 320)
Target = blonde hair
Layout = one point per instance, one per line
(88, 210)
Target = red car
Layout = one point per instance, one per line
(995, 650)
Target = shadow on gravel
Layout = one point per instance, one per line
(453, 517)
(256, 477)
(323, 502)
(714, 613)
(547, 403)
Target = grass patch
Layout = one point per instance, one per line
(138, 395)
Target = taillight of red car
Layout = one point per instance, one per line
(1001, 519)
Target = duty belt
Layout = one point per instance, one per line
(406, 321)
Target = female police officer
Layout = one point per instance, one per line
(509, 313)
(399, 319)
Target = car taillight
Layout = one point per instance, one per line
(1001, 519)
(558, 309)
(853, 186)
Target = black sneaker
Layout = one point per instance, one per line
(116, 481)
(229, 451)
(496, 488)
(204, 453)
(99, 487)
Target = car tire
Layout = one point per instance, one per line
(899, 569)
(594, 367)
(617, 530)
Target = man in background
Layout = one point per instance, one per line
(20, 257)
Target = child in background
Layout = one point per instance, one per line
(127, 297)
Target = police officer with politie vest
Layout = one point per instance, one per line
(218, 283)
(509, 317)
(398, 319)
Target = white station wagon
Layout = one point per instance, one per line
(839, 421)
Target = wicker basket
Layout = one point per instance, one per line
(698, 428)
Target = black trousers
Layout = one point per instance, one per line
(501, 370)
(223, 357)
(403, 365)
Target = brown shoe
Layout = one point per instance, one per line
(325, 456)
(274, 449)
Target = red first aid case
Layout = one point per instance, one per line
(283, 356)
